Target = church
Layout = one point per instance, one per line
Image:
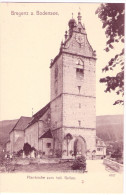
(66, 126)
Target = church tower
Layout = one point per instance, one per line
(73, 94)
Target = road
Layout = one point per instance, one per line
(102, 179)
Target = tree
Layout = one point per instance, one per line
(112, 17)
(79, 163)
(117, 154)
(27, 149)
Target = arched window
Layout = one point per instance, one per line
(80, 69)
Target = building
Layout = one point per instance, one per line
(8, 146)
(100, 148)
(73, 93)
(67, 124)
(37, 133)
(17, 134)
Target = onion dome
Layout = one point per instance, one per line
(72, 23)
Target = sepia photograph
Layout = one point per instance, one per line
(62, 97)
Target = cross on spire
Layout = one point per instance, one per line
(79, 17)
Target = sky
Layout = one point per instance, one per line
(29, 42)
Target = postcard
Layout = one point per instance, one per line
(62, 97)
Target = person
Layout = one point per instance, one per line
(23, 156)
(11, 156)
(5, 156)
(32, 154)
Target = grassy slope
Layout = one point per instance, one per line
(5, 127)
(110, 127)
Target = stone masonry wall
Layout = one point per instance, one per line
(56, 78)
(79, 111)
(43, 145)
(74, 111)
(88, 135)
(70, 80)
(31, 135)
(56, 113)
(44, 123)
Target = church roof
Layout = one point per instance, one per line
(22, 123)
(8, 141)
(47, 134)
(39, 114)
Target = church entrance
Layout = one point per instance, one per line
(80, 146)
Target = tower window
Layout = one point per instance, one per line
(99, 149)
(79, 122)
(79, 105)
(79, 88)
(79, 73)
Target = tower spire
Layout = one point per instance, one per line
(79, 17)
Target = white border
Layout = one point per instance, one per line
(63, 1)
(81, 1)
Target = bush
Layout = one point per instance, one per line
(58, 153)
(79, 163)
(27, 149)
(117, 154)
(19, 153)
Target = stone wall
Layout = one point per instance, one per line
(79, 111)
(56, 78)
(88, 135)
(56, 95)
(70, 79)
(113, 165)
(44, 123)
(56, 113)
(43, 146)
(73, 94)
(11, 141)
(31, 135)
(58, 138)
(16, 140)
(19, 140)
(8, 146)
(36, 130)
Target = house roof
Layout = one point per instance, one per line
(47, 134)
(100, 142)
(39, 114)
(22, 123)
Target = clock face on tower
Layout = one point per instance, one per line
(79, 38)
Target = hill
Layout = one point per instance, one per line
(5, 127)
(110, 127)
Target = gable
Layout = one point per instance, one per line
(73, 46)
